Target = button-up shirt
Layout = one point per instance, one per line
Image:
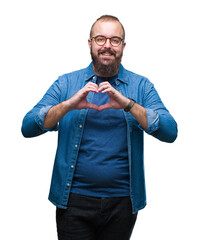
(161, 125)
(102, 168)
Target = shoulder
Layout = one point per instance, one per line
(72, 75)
(133, 78)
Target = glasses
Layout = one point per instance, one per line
(101, 40)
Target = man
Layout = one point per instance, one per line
(100, 113)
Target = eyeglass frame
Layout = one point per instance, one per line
(121, 40)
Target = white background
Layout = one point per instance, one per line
(41, 40)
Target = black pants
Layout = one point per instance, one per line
(90, 218)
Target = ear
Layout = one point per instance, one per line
(89, 43)
(123, 45)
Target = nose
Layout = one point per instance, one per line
(108, 43)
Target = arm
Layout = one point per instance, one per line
(78, 101)
(140, 115)
(153, 117)
(47, 113)
(163, 125)
(32, 124)
(118, 101)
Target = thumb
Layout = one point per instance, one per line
(105, 106)
(92, 106)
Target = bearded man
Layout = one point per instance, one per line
(100, 112)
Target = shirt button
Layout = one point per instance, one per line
(76, 146)
(72, 166)
(80, 126)
(68, 184)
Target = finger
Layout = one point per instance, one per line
(105, 83)
(92, 106)
(108, 90)
(90, 89)
(92, 84)
(101, 88)
(105, 106)
(93, 89)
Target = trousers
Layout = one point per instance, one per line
(95, 218)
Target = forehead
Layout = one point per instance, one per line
(107, 28)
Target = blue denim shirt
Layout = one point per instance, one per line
(161, 125)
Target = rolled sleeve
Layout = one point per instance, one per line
(40, 119)
(160, 122)
(33, 122)
(152, 121)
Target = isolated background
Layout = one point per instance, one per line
(41, 40)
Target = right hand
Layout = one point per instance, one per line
(79, 100)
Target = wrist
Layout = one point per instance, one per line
(130, 105)
(67, 105)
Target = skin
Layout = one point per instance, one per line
(117, 100)
(107, 29)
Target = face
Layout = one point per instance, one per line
(106, 58)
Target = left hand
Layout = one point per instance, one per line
(117, 100)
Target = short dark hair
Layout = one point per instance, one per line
(107, 18)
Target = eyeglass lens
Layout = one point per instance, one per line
(101, 40)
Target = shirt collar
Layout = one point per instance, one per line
(89, 72)
(122, 74)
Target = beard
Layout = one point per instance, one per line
(109, 69)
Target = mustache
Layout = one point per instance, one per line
(106, 51)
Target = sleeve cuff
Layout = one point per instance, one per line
(40, 119)
(152, 120)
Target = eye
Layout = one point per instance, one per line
(115, 40)
(100, 39)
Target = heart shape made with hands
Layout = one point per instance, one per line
(99, 107)
(117, 100)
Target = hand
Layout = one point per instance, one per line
(117, 100)
(79, 100)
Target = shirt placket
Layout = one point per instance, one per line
(118, 88)
(78, 135)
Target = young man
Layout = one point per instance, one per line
(100, 113)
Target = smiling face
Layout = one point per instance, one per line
(106, 58)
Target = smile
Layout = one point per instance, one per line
(107, 54)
